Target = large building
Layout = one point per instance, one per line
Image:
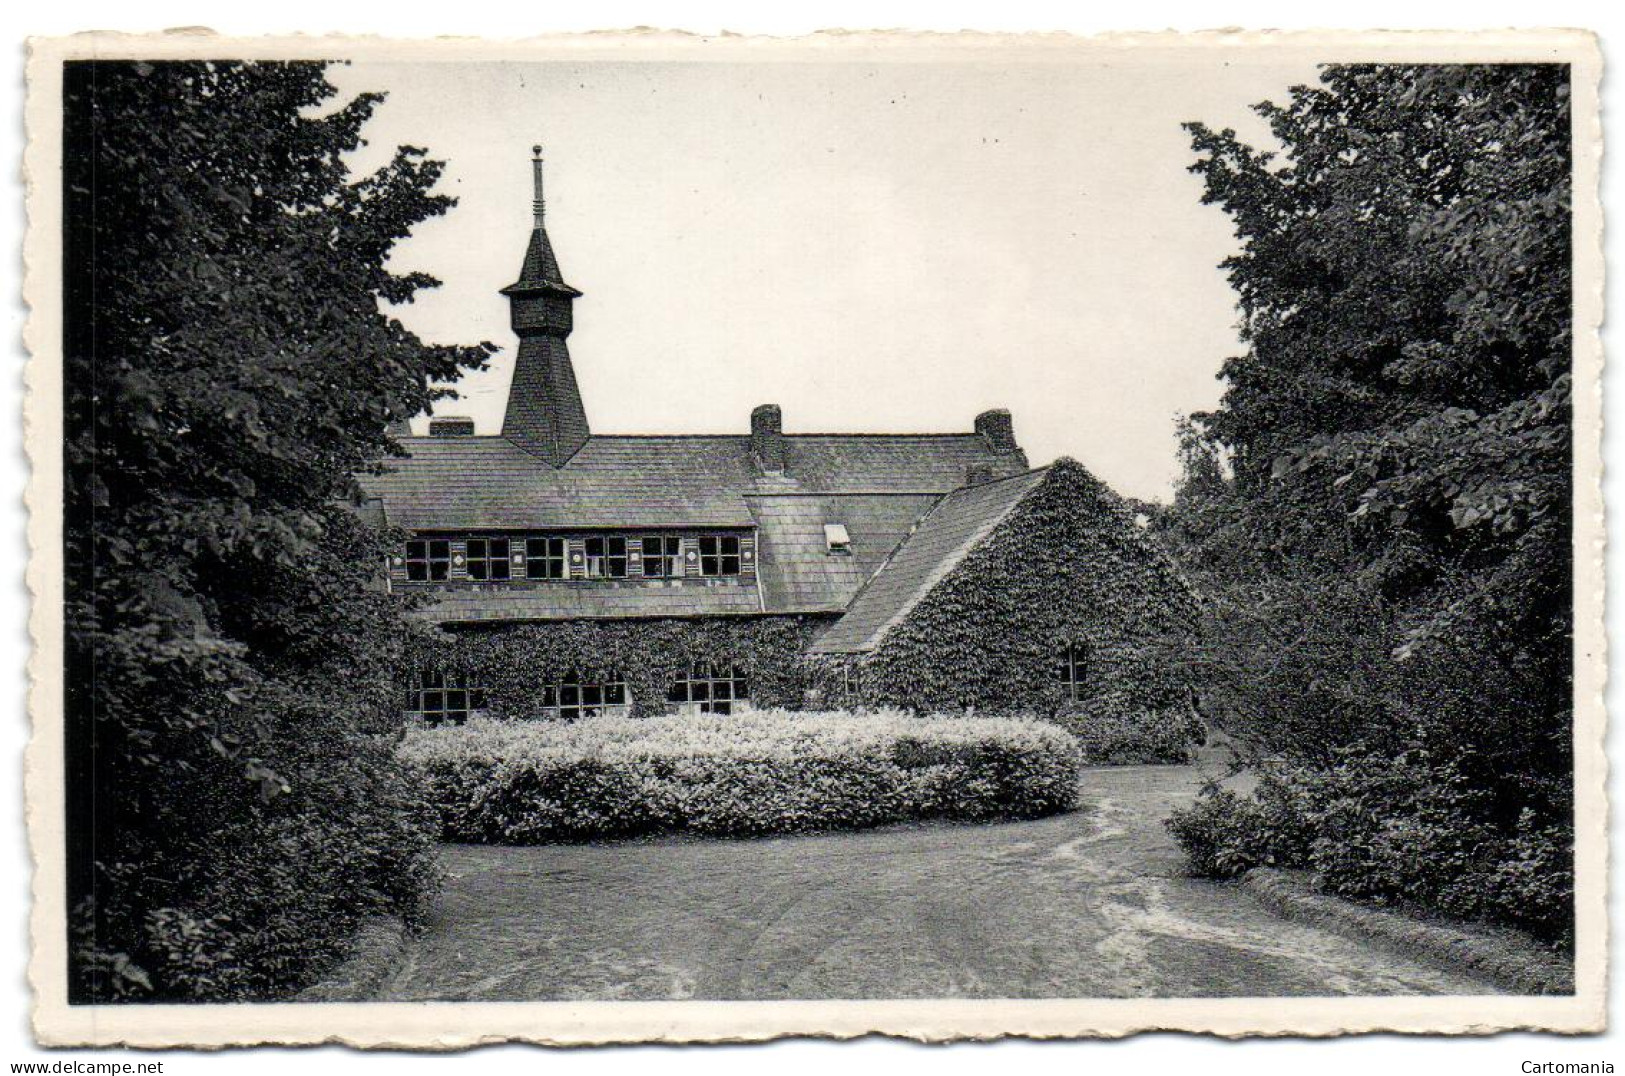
(646, 572)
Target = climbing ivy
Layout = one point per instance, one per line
(1068, 565)
(514, 664)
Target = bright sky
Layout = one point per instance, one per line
(873, 246)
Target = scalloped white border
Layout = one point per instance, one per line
(451, 1026)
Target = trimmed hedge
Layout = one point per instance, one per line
(1134, 738)
(496, 782)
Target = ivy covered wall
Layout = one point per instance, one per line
(1067, 565)
(515, 663)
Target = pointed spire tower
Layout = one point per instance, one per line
(545, 415)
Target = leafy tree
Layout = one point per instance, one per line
(1379, 510)
(1404, 284)
(230, 364)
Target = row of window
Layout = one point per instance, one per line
(449, 698)
(652, 556)
(443, 698)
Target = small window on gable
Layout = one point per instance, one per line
(1072, 670)
(836, 540)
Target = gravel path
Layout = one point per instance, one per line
(1090, 904)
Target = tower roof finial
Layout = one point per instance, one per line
(539, 205)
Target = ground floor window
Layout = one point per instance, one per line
(849, 686)
(572, 698)
(717, 689)
(1072, 667)
(446, 698)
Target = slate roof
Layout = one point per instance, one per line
(877, 485)
(954, 527)
(600, 599)
(798, 572)
(541, 269)
(488, 483)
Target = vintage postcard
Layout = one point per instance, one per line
(643, 537)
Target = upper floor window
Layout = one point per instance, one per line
(488, 558)
(1072, 667)
(544, 558)
(719, 554)
(662, 555)
(606, 557)
(428, 559)
(836, 540)
(504, 558)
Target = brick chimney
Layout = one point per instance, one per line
(997, 430)
(767, 438)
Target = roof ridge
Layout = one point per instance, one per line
(811, 494)
(947, 433)
(746, 436)
(1028, 473)
(687, 436)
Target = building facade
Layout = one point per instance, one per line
(576, 572)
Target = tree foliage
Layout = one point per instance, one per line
(1404, 284)
(1379, 511)
(229, 366)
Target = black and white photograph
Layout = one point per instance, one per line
(677, 539)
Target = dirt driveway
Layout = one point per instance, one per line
(1090, 904)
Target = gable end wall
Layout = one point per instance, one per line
(1067, 564)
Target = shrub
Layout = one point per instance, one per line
(1410, 829)
(1134, 737)
(1400, 828)
(1532, 883)
(1224, 835)
(739, 775)
(264, 900)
